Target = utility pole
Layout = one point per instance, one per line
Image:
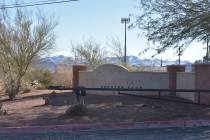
(125, 21)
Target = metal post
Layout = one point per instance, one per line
(199, 97)
(118, 91)
(125, 56)
(159, 94)
(125, 21)
(207, 53)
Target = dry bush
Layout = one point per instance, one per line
(2, 88)
(77, 110)
(53, 92)
(2, 110)
(63, 76)
(27, 90)
(90, 51)
(40, 87)
(43, 78)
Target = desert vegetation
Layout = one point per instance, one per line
(62, 76)
(41, 76)
(89, 50)
(23, 36)
(173, 24)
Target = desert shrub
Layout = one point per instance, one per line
(2, 111)
(44, 77)
(40, 87)
(53, 92)
(47, 100)
(77, 110)
(63, 76)
(26, 90)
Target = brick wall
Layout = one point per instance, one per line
(76, 69)
(172, 70)
(202, 80)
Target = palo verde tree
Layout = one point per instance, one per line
(23, 36)
(174, 23)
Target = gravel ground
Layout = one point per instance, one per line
(29, 109)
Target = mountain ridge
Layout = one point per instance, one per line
(51, 63)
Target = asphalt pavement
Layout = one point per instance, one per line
(196, 133)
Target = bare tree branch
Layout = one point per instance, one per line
(90, 51)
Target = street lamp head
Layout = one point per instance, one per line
(125, 20)
(122, 20)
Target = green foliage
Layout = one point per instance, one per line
(174, 23)
(23, 36)
(44, 77)
(206, 59)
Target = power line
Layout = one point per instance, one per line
(39, 3)
(35, 4)
(32, 2)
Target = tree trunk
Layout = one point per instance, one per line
(12, 92)
(12, 95)
(13, 89)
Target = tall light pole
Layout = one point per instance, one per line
(125, 21)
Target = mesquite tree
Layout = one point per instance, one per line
(174, 23)
(117, 49)
(23, 36)
(90, 51)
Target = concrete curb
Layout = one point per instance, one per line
(105, 126)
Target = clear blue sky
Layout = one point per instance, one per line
(100, 20)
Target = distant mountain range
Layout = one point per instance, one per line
(51, 63)
(136, 61)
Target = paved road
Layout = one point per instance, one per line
(201, 133)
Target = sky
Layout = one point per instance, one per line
(100, 20)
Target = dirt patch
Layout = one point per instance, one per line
(29, 109)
